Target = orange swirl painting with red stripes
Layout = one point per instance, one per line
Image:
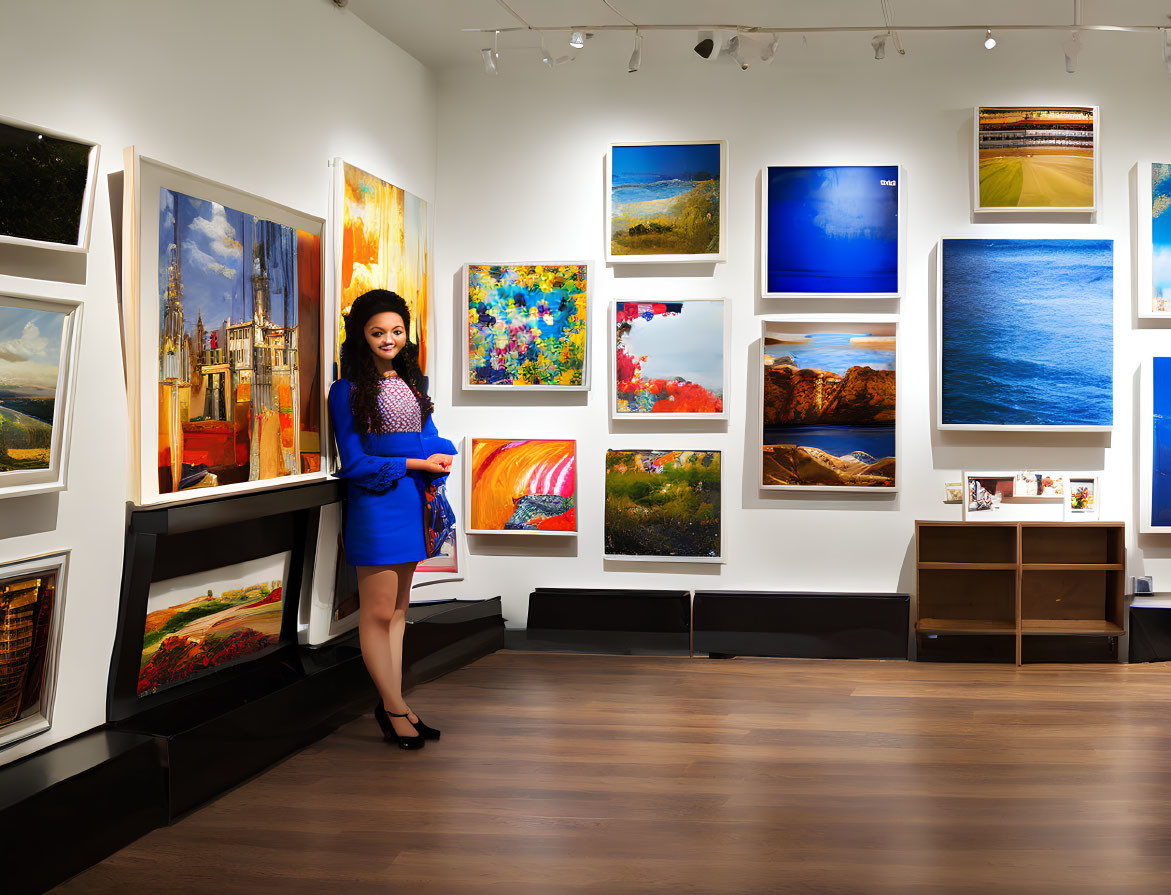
(523, 486)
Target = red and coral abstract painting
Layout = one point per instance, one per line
(198, 623)
(669, 359)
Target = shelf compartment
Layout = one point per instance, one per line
(1071, 567)
(969, 595)
(1070, 626)
(975, 566)
(1071, 595)
(967, 543)
(965, 626)
(1081, 543)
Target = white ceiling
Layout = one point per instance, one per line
(430, 30)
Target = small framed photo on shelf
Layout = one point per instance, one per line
(1081, 498)
(1013, 496)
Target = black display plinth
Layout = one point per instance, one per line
(627, 621)
(444, 636)
(800, 625)
(1150, 633)
(75, 803)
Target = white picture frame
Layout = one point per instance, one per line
(1146, 449)
(465, 352)
(765, 292)
(624, 557)
(880, 327)
(468, 455)
(316, 624)
(41, 720)
(725, 348)
(940, 299)
(1015, 508)
(1075, 480)
(977, 208)
(1144, 245)
(144, 179)
(85, 221)
(54, 477)
(714, 257)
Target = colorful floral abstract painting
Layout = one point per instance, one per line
(663, 505)
(522, 486)
(385, 244)
(199, 622)
(669, 358)
(527, 325)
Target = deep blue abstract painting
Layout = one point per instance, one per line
(1027, 332)
(1161, 441)
(832, 230)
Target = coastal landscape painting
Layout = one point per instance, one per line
(1032, 158)
(37, 345)
(1026, 336)
(828, 405)
(665, 202)
(527, 326)
(524, 486)
(198, 623)
(47, 182)
(663, 505)
(830, 231)
(670, 359)
(385, 244)
(1154, 240)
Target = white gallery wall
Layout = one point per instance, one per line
(520, 179)
(258, 95)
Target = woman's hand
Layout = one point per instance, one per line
(436, 463)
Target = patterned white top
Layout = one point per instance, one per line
(399, 406)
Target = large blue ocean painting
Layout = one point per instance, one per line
(1028, 335)
(1161, 441)
(832, 230)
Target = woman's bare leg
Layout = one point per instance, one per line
(385, 593)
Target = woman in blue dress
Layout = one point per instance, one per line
(389, 450)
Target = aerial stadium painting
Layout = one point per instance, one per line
(663, 505)
(521, 487)
(239, 370)
(385, 244)
(665, 202)
(669, 359)
(830, 230)
(1036, 158)
(198, 623)
(997, 296)
(527, 326)
(828, 406)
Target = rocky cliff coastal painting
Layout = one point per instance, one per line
(521, 486)
(665, 202)
(828, 406)
(1026, 339)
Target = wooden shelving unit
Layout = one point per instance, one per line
(1015, 580)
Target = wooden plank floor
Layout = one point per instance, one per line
(564, 773)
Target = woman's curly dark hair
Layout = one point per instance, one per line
(357, 360)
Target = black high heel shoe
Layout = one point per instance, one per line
(427, 733)
(382, 716)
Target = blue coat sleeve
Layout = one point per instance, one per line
(433, 443)
(377, 474)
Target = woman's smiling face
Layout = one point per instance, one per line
(386, 335)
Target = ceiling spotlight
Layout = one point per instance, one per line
(768, 51)
(705, 46)
(577, 40)
(989, 40)
(636, 56)
(734, 52)
(489, 61)
(879, 44)
(545, 57)
(1072, 47)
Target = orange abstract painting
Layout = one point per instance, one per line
(522, 486)
(385, 244)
